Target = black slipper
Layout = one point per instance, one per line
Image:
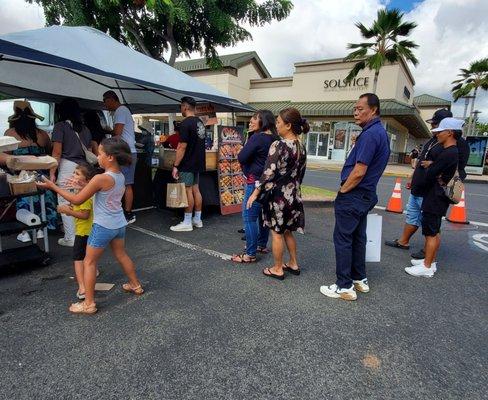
(292, 271)
(394, 243)
(241, 231)
(271, 275)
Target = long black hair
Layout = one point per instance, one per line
(118, 149)
(25, 125)
(69, 110)
(267, 121)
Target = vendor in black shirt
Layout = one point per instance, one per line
(435, 203)
(189, 162)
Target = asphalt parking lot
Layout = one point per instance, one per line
(209, 329)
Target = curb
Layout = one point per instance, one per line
(392, 174)
(317, 203)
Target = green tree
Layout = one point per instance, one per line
(473, 78)
(159, 27)
(385, 46)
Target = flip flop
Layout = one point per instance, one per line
(291, 270)
(271, 275)
(263, 250)
(394, 243)
(239, 258)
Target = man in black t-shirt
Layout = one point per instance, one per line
(435, 203)
(430, 151)
(189, 162)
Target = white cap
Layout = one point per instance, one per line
(451, 124)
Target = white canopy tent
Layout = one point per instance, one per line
(81, 62)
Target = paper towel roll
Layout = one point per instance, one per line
(26, 217)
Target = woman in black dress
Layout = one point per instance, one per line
(280, 183)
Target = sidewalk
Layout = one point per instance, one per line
(399, 170)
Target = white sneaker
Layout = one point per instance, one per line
(361, 286)
(197, 224)
(40, 234)
(24, 237)
(336, 293)
(420, 270)
(66, 243)
(420, 262)
(182, 227)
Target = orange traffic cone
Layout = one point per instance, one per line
(458, 212)
(395, 203)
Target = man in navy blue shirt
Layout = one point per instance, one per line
(357, 196)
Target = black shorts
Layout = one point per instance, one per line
(431, 224)
(79, 248)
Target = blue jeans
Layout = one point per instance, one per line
(351, 212)
(256, 233)
(414, 210)
(100, 236)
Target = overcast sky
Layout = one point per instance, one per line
(450, 33)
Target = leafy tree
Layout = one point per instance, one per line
(156, 27)
(385, 45)
(473, 78)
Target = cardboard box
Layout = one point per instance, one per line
(22, 188)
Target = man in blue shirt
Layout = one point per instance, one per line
(357, 196)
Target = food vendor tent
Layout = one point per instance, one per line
(81, 62)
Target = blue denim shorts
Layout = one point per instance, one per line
(414, 210)
(100, 237)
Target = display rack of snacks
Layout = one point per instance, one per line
(231, 179)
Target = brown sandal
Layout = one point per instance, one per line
(126, 287)
(82, 308)
(240, 258)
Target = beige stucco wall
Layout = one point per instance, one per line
(217, 79)
(427, 112)
(239, 85)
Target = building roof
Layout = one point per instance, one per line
(228, 61)
(427, 100)
(406, 114)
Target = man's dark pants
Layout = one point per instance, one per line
(351, 212)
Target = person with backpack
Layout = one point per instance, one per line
(435, 203)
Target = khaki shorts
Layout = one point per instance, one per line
(189, 178)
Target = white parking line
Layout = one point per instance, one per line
(484, 224)
(180, 243)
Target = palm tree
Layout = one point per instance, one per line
(476, 76)
(385, 47)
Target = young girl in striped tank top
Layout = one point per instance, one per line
(108, 221)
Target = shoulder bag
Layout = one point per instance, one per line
(90, 157)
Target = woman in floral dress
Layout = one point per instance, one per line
(280, 183)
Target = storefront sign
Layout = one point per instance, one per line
(231, 180)
(341, 84)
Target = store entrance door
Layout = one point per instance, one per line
(317, 144)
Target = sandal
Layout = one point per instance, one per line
(394, 243)
(80, 296)
(293, 271)
(272, 275)
(83, 308)
(126, 287)
(241, 258)
(263, 250)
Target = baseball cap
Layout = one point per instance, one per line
(452, 124)
(439, 115)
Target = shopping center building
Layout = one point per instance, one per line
(317, 89)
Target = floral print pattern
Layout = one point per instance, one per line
(283, 174)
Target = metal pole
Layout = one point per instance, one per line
(466, 103)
